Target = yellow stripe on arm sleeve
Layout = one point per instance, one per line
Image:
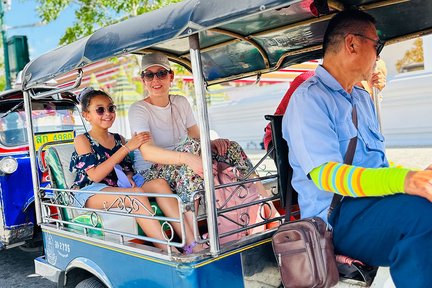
(348, 180)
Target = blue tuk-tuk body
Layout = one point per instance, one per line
(17, 214)
(219, 41)
(118, 267)
(17, 211)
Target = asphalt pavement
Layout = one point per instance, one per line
(17, 270)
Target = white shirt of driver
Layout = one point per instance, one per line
(168, 125)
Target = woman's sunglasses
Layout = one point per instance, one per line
(149, 76)
(101, 110)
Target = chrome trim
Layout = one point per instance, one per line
(48, 271)
(205, 143)
(32, 152)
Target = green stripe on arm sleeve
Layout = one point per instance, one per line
(348, 180)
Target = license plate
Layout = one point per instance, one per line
(48, 137)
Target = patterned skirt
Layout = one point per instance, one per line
(183, 180)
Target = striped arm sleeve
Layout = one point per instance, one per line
(348, 180)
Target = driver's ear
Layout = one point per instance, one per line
(350, 44)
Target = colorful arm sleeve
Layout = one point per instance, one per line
(348, 180)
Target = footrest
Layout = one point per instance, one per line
(358, 272)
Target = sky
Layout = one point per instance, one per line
(40, 39)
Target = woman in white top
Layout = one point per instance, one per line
(175, 134)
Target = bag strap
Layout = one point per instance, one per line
(349, 157)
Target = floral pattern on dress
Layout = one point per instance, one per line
(183, 180)
(81, 163)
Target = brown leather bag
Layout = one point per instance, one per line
(305, 255)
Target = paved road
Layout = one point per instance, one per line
(17, 270)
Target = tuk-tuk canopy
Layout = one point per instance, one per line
(237, 38)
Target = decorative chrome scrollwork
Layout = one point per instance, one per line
(133, 207)
(170, 228)
(64, 198)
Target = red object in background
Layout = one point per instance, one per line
(313, 9)
(280, 110)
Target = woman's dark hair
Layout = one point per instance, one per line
(87, 94)
(343, 23)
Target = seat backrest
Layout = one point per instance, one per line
(57, 160)
(285, 172)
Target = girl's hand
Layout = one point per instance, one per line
(131, 181)
(137, 140)
(220, 146)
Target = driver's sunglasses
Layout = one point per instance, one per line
(161, 74)
(379, 43)
(101, 110)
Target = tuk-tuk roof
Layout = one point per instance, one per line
(237, 38)
(17, 94)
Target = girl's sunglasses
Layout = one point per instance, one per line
(101, 110)
(149, 76)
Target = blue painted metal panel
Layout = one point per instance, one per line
(124, 268)
(16, 190)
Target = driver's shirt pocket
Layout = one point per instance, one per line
(372, 138)
(345, 132)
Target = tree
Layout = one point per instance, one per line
(413, 55)
(2, 71)
(91, 15)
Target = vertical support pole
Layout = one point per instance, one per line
(200, 92)
(32, 152)
(5, 48)
(377, 103)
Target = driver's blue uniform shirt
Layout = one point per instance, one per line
(318, 127)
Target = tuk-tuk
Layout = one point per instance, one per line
(217, 41)
(56, 119)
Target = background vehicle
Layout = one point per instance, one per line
(54, 119)
(219, 42)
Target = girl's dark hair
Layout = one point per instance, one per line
(87, 94)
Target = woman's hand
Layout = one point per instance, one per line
(220, 146)
(194, 162)
(137, 140)
(378, 80)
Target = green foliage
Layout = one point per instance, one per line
(2, 83)
(91, 15)
(2, 73)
